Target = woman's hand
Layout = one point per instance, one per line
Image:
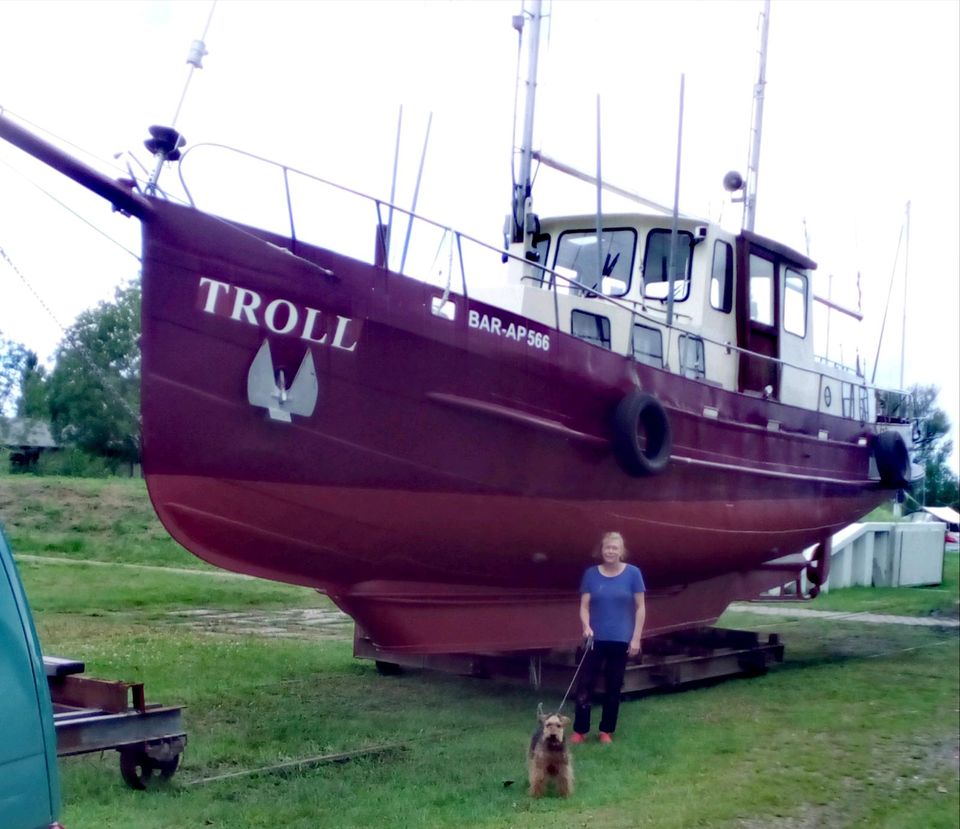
(585, 615)
(634, 648)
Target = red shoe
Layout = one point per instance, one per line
(605, 738)
(577, 739)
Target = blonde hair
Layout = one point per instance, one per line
(610, 536)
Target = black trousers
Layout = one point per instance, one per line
(611, 659)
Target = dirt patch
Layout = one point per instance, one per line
(814, 817)
(924, 767)
(938, 756)
(843, 616)
(300, 623)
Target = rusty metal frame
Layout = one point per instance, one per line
(668, 661)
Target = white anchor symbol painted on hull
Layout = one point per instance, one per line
(266, 390)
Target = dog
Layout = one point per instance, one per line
(549, 759)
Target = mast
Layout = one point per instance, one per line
(753, 162)
(671, 275)
(523, 185)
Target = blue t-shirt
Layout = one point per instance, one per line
(613, 609)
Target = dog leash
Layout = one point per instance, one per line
(587, 647)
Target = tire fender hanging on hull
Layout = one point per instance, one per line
(642, 440)
(893, 460)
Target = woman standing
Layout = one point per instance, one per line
(612, 611)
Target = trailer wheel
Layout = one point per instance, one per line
(388, 668)
(137, 767)
(167, 768)
(642, 439)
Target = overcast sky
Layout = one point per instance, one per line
(862, 115)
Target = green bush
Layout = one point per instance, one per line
(71, 463)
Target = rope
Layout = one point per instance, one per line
(305, 763)
(587, 647)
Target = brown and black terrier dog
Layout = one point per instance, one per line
(549, 758)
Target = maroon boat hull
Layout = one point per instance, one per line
(448, 485)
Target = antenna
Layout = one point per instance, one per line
(165, 142)
(416, 194)
(599, 285)
(393, 189)
(886, 308)
(906, 266)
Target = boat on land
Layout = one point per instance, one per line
(441, 466)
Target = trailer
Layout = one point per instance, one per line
(98, 715)
(669, 661)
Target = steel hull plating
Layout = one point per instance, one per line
(447, 484)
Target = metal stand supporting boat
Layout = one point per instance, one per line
(96, 715)
(669, 661)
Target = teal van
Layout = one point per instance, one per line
(29, 785)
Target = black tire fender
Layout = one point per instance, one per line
(893, 460)
(642, 440)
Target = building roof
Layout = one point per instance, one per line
(22, 431)
(945, 514)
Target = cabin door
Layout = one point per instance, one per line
(758, 323)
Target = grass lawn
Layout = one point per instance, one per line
(937, 600)
(859, 727)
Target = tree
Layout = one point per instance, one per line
(12, 358)
(34, 392)
(94, 388)
(933, 448)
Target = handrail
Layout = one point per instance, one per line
(628, 306)
(342, 188)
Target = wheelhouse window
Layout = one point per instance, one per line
(721, 277)
(591, 327)
(656, 265)
(611, 262)
(761, 290)
(854, 401)
(692, 357)
(647, 345)
(795, 303)
(541, 248)
(847, 391)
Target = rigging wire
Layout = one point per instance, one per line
(106, 381)
(6, 258)
(61, 140)
(896, 258)
(107, 163)
(166, 142)
(69, 209)
(197, 52)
